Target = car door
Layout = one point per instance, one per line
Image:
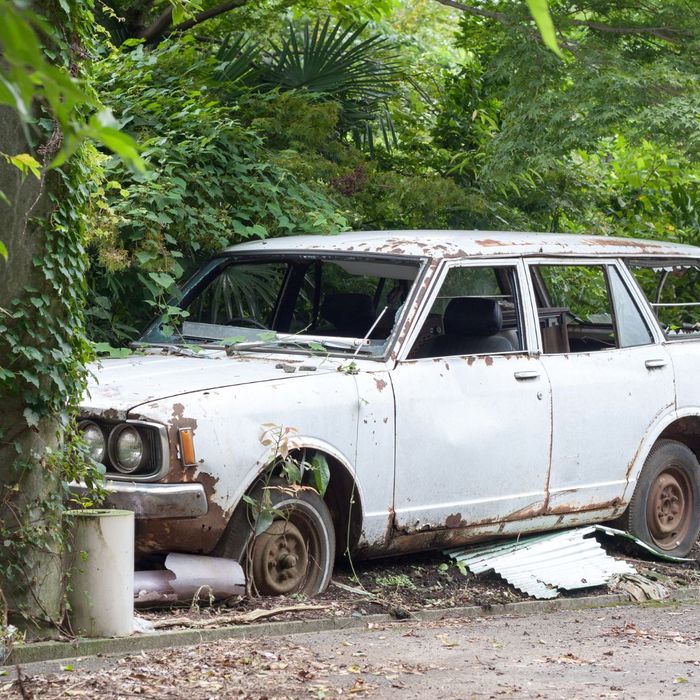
(611, 380)
(472, 408)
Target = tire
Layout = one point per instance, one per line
(665, 508)
(295, 554)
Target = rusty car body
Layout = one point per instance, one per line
(460, 386)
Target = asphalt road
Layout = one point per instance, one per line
(630, 652)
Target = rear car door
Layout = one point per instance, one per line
(611, 379)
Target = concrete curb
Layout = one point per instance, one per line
(52, 651)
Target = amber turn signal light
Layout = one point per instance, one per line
(187, 447)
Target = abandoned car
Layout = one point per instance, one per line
(388, 392)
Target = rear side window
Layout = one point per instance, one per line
(673, 290)
(586, 308)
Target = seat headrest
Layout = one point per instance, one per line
(348, 310)
(473, 316)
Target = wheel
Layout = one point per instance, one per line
(665, 508)
(241, 321)
(295, 554)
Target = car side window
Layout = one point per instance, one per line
(632, 329)
(586, 308)
(573, 308)
(476, 312)
(673, 290)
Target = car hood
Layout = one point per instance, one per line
(118, 385)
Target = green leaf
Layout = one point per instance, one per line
(178, 14)
(322, 473)
(121, 144)
(162, 279)
(291, 471)
(25, 163)
(539, 9)
(3, 250)
(264, 520)
(31, 417)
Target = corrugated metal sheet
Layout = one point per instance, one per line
(541, 565)
(642, 545)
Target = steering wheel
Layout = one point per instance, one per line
(240, 321)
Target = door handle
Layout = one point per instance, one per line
(655, 364)
(521, 376)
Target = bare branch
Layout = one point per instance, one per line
(208, 14)
(158, 28)
(163, 24)
(477, 11)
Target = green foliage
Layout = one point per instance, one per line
(210, 183)
(33, 71)
(491, 130)
(645, 190)
(331, 62)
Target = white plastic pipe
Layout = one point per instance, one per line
(101, 593)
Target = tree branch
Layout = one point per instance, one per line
(163, 24)
(477, 11)
(208, 14)
(675, 36)
(157, 29)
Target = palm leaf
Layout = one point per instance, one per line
(238, 58)
(335, 62)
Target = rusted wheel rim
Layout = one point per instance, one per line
(669, 508)
(280, 558)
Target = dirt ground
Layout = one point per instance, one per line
(404, 585)
(630, 652)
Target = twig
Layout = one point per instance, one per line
(243, 618)
(26, 694)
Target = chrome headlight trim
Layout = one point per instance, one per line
(115, 436)
(160, 435)
(82, 428)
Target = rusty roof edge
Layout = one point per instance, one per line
(449, 244)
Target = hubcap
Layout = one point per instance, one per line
(669, 508)
(280, 559)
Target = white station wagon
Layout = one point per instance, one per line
(450, 387)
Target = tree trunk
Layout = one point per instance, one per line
(31, 583)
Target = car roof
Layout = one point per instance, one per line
(457, 244)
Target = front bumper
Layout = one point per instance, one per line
(151, 501)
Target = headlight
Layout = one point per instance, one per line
(126, 449)
(94, 440)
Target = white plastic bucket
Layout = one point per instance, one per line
(101, 585)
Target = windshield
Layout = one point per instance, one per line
(347, 304)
